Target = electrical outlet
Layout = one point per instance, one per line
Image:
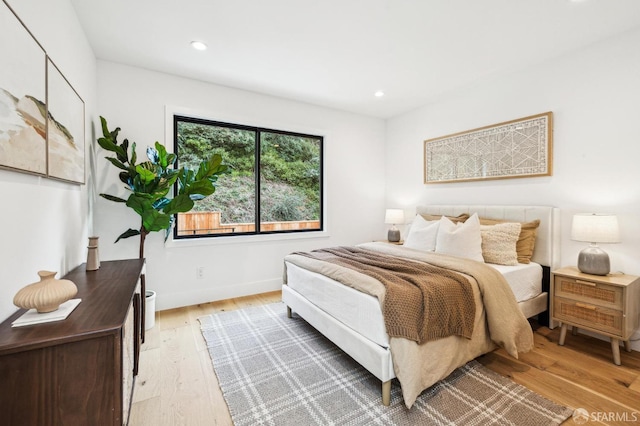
(200, 272)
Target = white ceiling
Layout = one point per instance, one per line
(337, 53)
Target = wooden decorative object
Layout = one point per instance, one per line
(93, 256)
(45, 295)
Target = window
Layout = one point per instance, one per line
(274, 185)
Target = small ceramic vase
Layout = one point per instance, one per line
(45, 295)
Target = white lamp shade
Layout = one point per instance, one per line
(394, 216)
(595, 228)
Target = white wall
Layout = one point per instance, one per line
(594, 94)
(135, 100)
(45, 223)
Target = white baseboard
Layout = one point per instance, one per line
(180, 299)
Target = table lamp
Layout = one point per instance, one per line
(594, 228)
(393, 217)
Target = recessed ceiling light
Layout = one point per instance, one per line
(379, 94)
(198, 45)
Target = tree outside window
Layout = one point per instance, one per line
(274, 184)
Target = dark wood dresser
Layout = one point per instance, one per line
(78, 371)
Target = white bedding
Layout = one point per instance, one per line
(524, 279)
(361, 311)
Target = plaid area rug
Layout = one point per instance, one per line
(275, 370)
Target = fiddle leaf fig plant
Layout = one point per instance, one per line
(150, 182)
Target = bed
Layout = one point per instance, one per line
(351, 315)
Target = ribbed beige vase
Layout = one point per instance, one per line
(45, 295)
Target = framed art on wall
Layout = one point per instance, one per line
(22, 97)
(65, 128)
(512, 149)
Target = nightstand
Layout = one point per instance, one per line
(606, 305)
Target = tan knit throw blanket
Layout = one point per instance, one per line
(422, 302)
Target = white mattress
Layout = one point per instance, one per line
(351, 307)
(524, 280)
(361, 311)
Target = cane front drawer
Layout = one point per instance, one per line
(589, 292)
(597, 318)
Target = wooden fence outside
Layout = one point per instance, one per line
(204, 223)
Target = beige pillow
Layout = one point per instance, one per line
(460, 239)
(499, 243)
(455, 219)
(527, 239)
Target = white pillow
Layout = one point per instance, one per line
(499, 243)
(461, 239)
(422, 234)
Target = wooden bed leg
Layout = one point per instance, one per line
(386, 393)
(288, 312)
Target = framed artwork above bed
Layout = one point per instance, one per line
(512, 149)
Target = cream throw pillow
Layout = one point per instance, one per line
(422, 234)
(461, 239)
(527, 241)
(499, 243)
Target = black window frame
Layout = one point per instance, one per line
(257, 153)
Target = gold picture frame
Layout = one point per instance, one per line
(512, 149)
(65, 128)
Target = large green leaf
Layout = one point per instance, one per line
(103, 124)
(128, 233)
(116, 163)
(123, 151)
(154, 221)
(107, 144)
(139, 204)
(125, 177)
(162, 155)
(180, 204)
(209, 167)
(134, 156)
(145, 195)
(147, 176)
(203, 187)
(112, 198)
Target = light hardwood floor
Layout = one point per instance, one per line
(176, 384)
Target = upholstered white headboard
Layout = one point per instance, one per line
(547, 247)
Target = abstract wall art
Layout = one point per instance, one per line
(65, 128)
(22, 97)
(512, 149)
(42, 123)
